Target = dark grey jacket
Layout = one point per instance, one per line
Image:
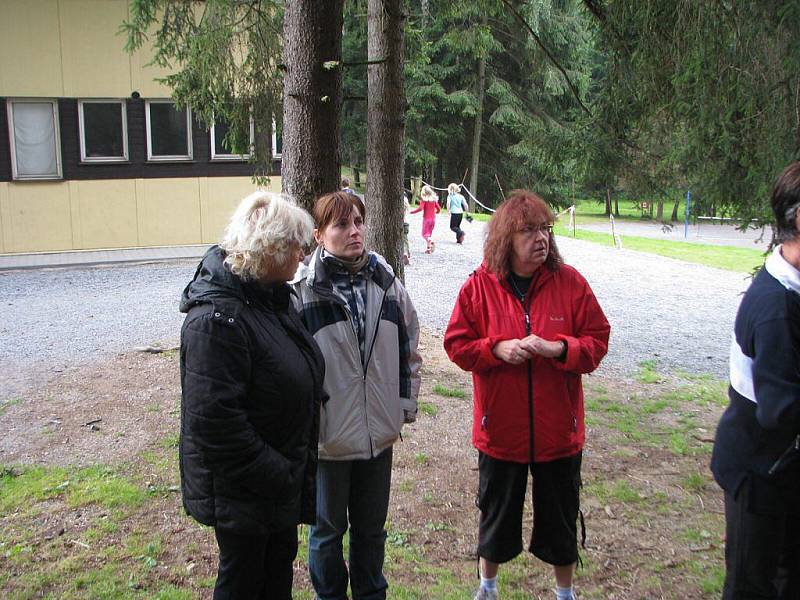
(251, 378)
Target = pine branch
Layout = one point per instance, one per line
(547, 52)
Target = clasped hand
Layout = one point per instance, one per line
(517, 351)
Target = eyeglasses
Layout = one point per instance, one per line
(530, 230)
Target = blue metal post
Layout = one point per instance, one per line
(686, 215)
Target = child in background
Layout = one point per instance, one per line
(429, 205)
(457, 205)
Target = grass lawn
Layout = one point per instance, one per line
(115, 528)
(730, 258)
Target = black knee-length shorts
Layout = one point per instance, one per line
(556, 503)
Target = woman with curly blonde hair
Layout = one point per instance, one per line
(251, 378)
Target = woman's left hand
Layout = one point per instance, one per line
(536, 345)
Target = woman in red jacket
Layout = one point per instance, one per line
(527, 326)
(429, 204)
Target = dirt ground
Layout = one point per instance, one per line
(648, 534)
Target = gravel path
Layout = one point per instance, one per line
(678, 313)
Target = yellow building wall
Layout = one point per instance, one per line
(38, 217)
(168, 211)
(93, 57)
(219, 197)
(72, 48)
(118, 213)
(104, 214)
(30, 51)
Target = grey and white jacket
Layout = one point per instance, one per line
(367, 399)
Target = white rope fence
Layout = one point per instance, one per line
(463, 187)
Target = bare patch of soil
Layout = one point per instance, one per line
(650, 534)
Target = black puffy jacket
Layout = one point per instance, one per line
(251, 379)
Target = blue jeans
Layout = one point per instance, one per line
(358, 489)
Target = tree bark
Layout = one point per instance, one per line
(660, 211)
(476, 135)
(608, 202)
(385, 130)
(675, 208)
(312, 98)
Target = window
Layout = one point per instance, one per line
(277, 141)
(34, 137)
(169, 131)
(103, 130)
(219, 151)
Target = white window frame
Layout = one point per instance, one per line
(225, 156)
(82, 132)
(168, 157)
(10, 116)
(275, 153)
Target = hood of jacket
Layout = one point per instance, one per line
(213, 283)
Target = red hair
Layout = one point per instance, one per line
(521, 209)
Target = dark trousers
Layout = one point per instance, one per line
(255, 567)
(354, 493)
(455, 224)
(762, 550)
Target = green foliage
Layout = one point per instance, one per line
(449, 392)
(223, 57)
(5, 404)
(428, 408)
(22, 490)
(647, 372)
(675, 104)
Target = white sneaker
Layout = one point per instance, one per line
(484, 594)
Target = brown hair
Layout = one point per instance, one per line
(786, 202)
(334, 206)
(521, 209)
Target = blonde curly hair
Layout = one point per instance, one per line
(263, 234)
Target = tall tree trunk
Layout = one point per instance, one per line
(312, 98)
(608, 202)
(660, 211)
(476, 135)
(674, 217)
(385, 130)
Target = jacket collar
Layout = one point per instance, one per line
(780, 269)
(544, 276)
(317, 276)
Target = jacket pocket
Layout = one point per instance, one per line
(343, 426)
(384, 412)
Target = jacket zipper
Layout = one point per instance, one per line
(366, 367)
(336, 298)
(793, 447)
(530, 383)
(526, 308)
(363, 371)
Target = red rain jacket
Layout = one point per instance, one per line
(534, 410)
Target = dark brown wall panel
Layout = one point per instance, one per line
(137, 166)
(5, 147)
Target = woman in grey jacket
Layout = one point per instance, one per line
(366, 326)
